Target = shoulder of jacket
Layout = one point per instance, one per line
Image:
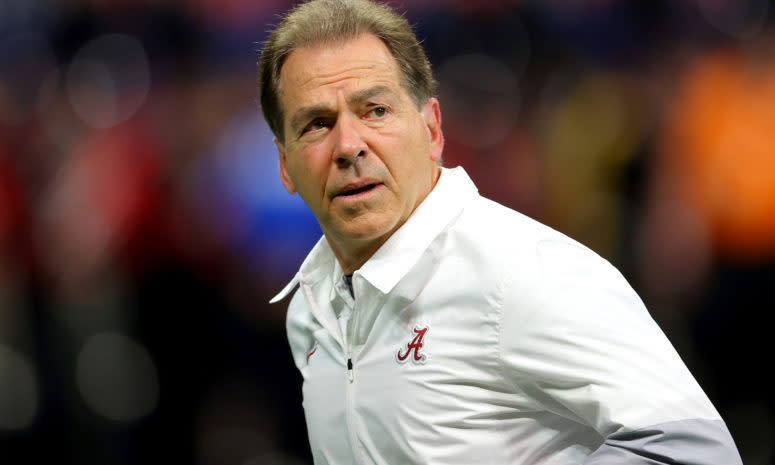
(527, 260)
(503, 235)
(504, 247)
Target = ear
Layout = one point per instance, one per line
(285, 177)
(432, 114)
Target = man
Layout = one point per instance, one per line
(431, 325)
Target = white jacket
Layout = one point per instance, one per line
(479, 336)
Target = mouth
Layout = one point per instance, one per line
(353, 190)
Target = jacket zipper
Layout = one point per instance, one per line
(349, 390)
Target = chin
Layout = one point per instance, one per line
(369, 229)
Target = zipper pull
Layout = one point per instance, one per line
(350, 369)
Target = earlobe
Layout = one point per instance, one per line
(432, 115)
(285, 177)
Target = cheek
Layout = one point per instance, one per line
(309, 174)
(414, 154)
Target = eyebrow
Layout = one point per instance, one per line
(307, 113)
(369, 93)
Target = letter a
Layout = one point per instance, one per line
(415, 345)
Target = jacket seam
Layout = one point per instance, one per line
(503, 369)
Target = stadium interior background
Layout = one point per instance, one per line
(143, 227)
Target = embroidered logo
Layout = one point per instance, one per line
(413, 348)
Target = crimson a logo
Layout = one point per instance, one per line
(413, 347)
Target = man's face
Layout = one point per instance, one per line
(357, 149)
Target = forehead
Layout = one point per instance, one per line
(312, 72)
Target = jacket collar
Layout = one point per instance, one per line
(404, 248)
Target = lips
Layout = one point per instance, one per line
(356, 188)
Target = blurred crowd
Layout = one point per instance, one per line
(143, 227)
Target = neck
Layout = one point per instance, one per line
(352, 256)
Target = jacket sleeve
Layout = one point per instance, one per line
(580, 342)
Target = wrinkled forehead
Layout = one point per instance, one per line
(362, 59)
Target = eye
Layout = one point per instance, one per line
(314, 125)
(378, 112)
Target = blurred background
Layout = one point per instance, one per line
(143, 227)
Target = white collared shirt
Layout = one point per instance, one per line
(479, 336)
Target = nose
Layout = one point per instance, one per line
(349, 141)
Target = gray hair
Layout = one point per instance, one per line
(328, 21)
